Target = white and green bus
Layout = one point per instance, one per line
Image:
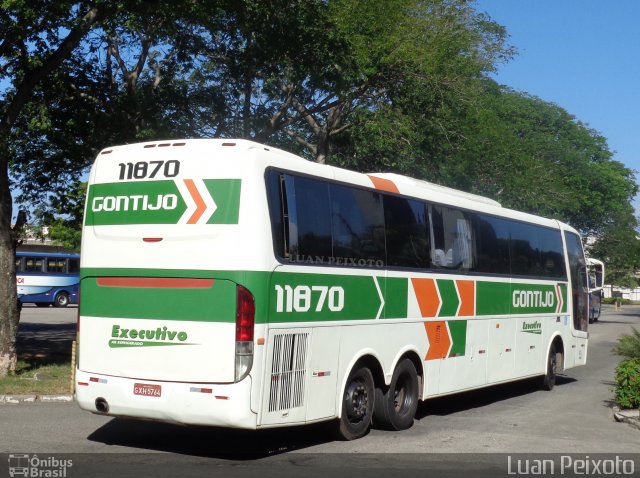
(231, 284)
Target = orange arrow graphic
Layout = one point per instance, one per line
(466, 289)
(427, 295)
(439, 340)
(201, 207)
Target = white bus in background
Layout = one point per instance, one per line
(227, 283)
(596, 276)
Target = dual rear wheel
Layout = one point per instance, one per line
(392, 408)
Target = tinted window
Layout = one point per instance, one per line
(74, 266)
(492, 244)
(407, 232)
(536, 251)
(525, 255)
(551, 253)
(358, 223)
(452, 239)
(577, 271)
(277, 211)
(313, 218)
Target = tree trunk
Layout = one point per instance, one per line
(9, 311)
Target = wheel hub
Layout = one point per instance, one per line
(357, 400)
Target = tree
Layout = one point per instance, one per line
(63, 218)
(532, 155)
(39, 37)
(84, 75)
(619, 247)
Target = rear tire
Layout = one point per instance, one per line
(61, 300)
(549, 379)
(357, 404)
(396, 408)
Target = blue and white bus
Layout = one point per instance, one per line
(46, 278)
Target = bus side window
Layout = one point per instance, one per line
(357, 223)
(74, 266)
(552, 254)
(492, 244)
(33, 264)
(55, 265)
(407, 232)
(313, 219)
(277, 210)
(452, 245)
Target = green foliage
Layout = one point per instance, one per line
(614, 300)
(390, 86)
(629, 345)
(63, 219)
(618, 246)
(627, 389)
(532, 155)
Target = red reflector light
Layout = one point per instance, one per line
(245, 315)
(94, 379)
(84, 384)
(152, 239)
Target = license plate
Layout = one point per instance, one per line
(147, 390)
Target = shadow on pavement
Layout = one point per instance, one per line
(482, 397)
(44, 344)
(212, 442)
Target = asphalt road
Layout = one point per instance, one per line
(455, 436)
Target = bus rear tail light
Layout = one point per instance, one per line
(245, 322)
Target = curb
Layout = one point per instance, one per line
(631, 417)
(28, 399)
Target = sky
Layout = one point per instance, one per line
(584, 56)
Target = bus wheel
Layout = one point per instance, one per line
(549, 379)
(357, 404)
(396, 408)
(61, 300)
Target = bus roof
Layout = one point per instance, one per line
(390, 182)
(71, 255)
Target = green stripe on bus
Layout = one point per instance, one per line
(458, 331)
(395, 295)
(226, 194)
(214, 304)
(449, 296)
(305, 297)
(493, 298)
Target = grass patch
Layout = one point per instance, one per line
(38, 379)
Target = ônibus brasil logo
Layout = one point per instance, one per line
(179, 201)
(122, 337)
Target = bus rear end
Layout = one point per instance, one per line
(175, 241)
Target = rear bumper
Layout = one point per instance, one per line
(224, 405)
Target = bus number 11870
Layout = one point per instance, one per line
(303, 298)
(143, 169)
